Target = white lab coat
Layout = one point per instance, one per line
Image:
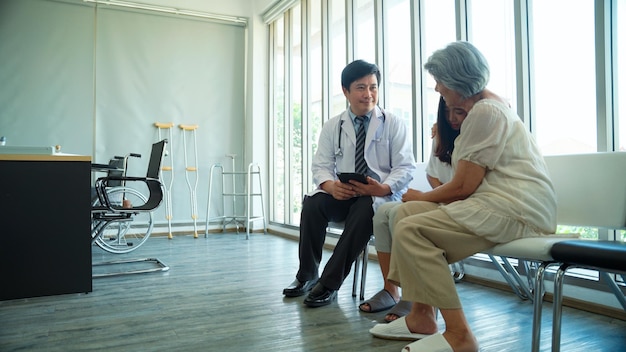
(388, 152)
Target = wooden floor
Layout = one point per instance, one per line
(224, 293)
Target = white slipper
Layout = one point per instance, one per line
(432, 343)
(396, 330)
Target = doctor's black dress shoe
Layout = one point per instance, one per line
(320, 296)
(297, 288)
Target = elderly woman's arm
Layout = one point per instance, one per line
(466, 180)
(433, 181)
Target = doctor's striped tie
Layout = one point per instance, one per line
(360, 166)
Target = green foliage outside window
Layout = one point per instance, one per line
(589, 233)
(584, 232)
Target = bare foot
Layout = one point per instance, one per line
(391, 317)
(365, 307)
(401, 309)
(424, 323)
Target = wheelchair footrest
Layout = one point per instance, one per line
(112, 216)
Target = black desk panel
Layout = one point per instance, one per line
(45, 222)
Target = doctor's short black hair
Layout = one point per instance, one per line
(356, 70)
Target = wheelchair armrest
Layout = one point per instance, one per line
(108, 179)
(155, 187)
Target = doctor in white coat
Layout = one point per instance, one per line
(388, 154)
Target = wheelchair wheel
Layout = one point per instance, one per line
(124, 235)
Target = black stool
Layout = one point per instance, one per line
(604, 256)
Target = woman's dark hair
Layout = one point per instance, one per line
(357, 70)
(445, 134)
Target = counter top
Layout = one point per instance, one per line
(42, 157)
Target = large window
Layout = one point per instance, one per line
(550, 70)
(620, 73)
(564, 96)
(492, 30)
(364, 31)
(297, 167)
(437, 30)
(619, 40)
(397, 67)
(314, 77)
(561, 78)
(338, 56)
(279, 172)
(564, 71)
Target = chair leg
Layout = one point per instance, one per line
(357, 263)
(524, 289)
(538, 305)
(158, 266)
(511, 277)
(614, 288)
(364, 255)
(457, 270)
(557, 310)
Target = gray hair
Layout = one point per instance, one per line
(460, 67)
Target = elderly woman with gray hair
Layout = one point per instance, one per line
(500, 191)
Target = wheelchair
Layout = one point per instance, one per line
(121, 216)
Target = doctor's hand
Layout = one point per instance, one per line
(371, 188)
(339, 190)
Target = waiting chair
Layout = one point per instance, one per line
(590, 192)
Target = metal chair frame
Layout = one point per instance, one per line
(107, 210)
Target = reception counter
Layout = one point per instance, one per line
(45, 223)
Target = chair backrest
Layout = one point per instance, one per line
(156, 157)
(590, 189)
(118, 171)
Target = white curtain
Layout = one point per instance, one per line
(95, 80)
(46, 72)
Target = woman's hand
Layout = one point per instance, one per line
(411, 194)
